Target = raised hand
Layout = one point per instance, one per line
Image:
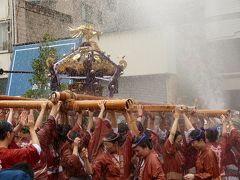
(176, 114)
(140, 110)
(84, 153)
(76, 142)
(30, 122)
(23, 118)
(44, 105)
(189, 177)
(101, 105)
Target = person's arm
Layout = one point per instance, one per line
(22, 121)
(162, 124)
(139, 112)
(113, 119)
(75, 146)
(187, 122)
(131, 123)
(79, 119)
(174, 126)
(33, 134)
(10, 116)
(87, 165)
(224, 124)
(90, 121)
(151, 120)
(30, 124)
(101, 105)
(38, 123)
(45, 133)
(55, 109)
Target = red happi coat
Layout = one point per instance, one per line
(102, 128)
(9, 157)
(126, 153)
(151, 168)
(71, 163)
(155, 142)
(219, 148)
(232, 153)
(190, 154)
(235, 144)
(174, 161)
(46, 136)
(106, 166)
(207, 165)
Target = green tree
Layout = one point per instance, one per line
(40, 78)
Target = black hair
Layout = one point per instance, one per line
(122, 128)
(25, 168)
(112, 137)
(212, 134)
(198, 134)
(62, 130)
(4, 128)
(93, 127)
(142, 141)
(176, 135)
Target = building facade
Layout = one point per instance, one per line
(190, 46)
(5, 40)
(223, 35)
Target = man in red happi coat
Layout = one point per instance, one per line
(9, 157)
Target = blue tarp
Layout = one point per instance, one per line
(22, 58)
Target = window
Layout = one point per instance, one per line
(4, 9)
(86, 13)
(4, 36)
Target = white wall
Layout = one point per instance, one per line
(223, 29)
(147, 51)
(219, 7)
(223, 19)
(4, 9)
(5, 63)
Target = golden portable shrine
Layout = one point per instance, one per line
(87, 66)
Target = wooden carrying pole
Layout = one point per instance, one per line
(26, 104)
(212, 112)
(116, 104)
(156, 108)
(2, 97)
(65, 95)
(121, 104)
(111, 104)
(171, 108)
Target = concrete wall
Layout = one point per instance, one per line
(101, 13)
(33, 21)
(147, 51)
(157, 88)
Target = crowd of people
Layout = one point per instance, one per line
(113, 145)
